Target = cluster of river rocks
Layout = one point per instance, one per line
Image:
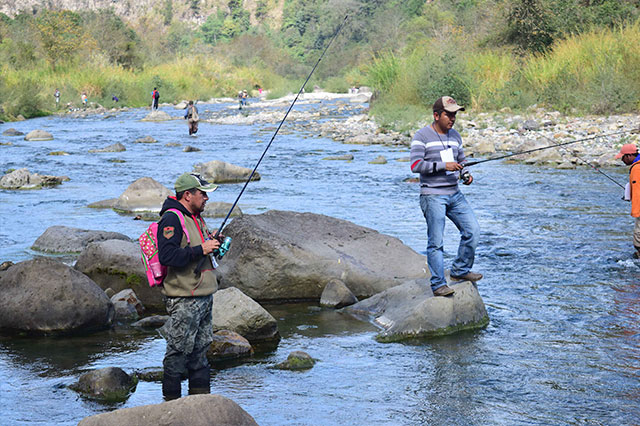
(271, 260)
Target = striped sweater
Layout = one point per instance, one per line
(426, 160)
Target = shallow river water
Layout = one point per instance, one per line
(560, 286)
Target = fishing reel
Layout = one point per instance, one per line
(465, 176)
(225, 244)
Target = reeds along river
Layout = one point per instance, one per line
(561, 288)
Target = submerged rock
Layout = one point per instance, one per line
(272, 257)
(345, 157)
(411, 311)
(192, 410)
(146, 139)
(116, 147)
(12, 132)
(44, 296)
(297, 360)
(64, 239)
(109, 384)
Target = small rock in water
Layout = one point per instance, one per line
(297, 360)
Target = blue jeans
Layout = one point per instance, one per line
(456, 208)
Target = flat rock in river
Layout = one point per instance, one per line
(411, 311)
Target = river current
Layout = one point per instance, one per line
(561, 288)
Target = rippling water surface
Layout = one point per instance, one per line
(560, 286)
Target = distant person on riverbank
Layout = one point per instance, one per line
(155, 97)
(84, 99)
(437, 155)
(629, 156)
(56, 95)
(191, 114)
(240, 103)
(189, 295)
(114, 98)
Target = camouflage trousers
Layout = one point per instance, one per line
(188, 332)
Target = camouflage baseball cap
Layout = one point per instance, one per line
(192, 180)
(447, 103)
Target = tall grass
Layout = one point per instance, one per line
(197, 77)
(594, 72)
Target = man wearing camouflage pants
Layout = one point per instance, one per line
(189, 294)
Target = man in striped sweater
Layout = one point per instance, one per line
(437, 155)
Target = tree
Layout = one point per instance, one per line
(60, 34)
(529, 25)
(113, 37)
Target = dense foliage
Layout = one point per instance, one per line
(485, 53)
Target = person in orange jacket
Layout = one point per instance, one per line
(629, 156)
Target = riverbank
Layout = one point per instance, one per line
(484, 134)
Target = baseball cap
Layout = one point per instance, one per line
(628, 148)
(192, 180)
(447, 103)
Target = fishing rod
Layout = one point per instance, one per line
(473, 163)
(589, 164)
(226, 243)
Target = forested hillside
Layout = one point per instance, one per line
(580, 54)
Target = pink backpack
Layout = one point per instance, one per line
(156, 272)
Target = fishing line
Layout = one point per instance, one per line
(588, 164)
(473, 163)
(280, 125)
(226, 243)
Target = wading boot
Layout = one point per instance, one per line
(199, 381)
(171, 388)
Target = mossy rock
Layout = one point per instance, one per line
(297, 360)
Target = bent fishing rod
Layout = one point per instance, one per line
(473, 163)
(225, 244)
(589, 164)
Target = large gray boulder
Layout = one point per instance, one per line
(411, 311)
(143, 195)
(64, 239)
(287, 255)
(192, 410)
(235, 311)
(23, 179)
(45, 296)
(38, 135)
(220, 172)
(117, 264)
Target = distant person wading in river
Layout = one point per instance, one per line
(437, 155)
(191, 114)
(155, 97)
(629, 156)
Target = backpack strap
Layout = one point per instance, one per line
(181, 217)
